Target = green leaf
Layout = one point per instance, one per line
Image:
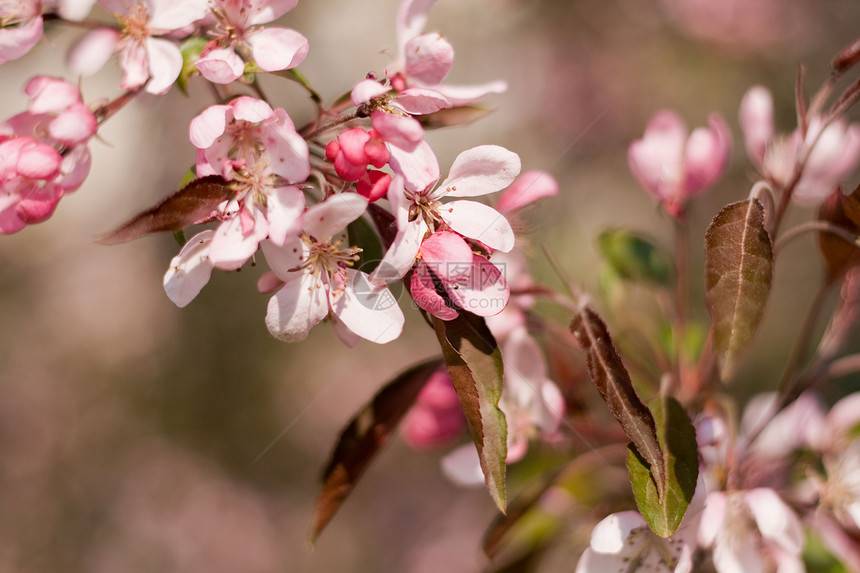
(475, 365)
(612, 380)
(681, 466)
(191, 50)
(364, 437)
(195, 203)
(635, 257)
(738, 273)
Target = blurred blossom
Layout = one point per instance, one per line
(830, 151)
(740, 26)
(674, 166)
(436, 419)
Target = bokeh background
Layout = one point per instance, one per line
(138, 437)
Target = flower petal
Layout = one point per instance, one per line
(190, 270)
(324, 220)
(221, 66)
(756, 119)
(231, 247)
(284, 260)
(775, 519)
(464, 95)
(284, 207)
(480, 222)
(15, 41)
(297, 307)
(483, 291)
(165, 63)
(369, 311)
(277, 49)
(400, 131)
(706, 155)
(418, 101)
(609, 536)
(419, 167)
(92, 51)
(366, 90)
(429, 58)
(411, 20)
(400, 256)
(526, 189)
(447, 255)
(423, 289)
(209, 125)
(463, 467)
(656, 160)
(481, 170)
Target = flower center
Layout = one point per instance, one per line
(135, 26)
(327, 258)
(426, 208)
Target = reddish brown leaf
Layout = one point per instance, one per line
(193, 204)
(364, 437)
(842, 211)
(615, 386)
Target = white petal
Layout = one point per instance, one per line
(463, 467)
(593, 562)
(483, 291)
(464, 95)
(165, 63)
(89, 53)
(284, 260)
(324, 220)
(610, 535)
(299, 306)
(775, 519)
(190, 270)
(366, 90)
(419, 167)
(400, 256)
(370, 312)
(231, 247)
(284, 207)
(712, 518)
(480, 222)
(481, 170)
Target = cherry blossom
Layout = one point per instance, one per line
(238, 37)
(21, 28)
(751, 530)
(44, 152)
(144, 56)
(829, 151)
(478, 171)
(190, 270)
(318, 281)
(436, 418)
(424, 60)
(248, 142)
(674, 166)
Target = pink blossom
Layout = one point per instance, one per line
(436, 418)
(318, 281)
(424, 60)
(43, 152)
(21, 29)
(190, 270)
(145, 58)
(354, 150)
(673, 166)
(239, 32)
(827, 153)
(478, 171)
(248, 142)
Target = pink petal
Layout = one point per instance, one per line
(324, 220)
(481, 170)
(373, 185)
(463, 467)
(231, 247)
(74, 126)
(366, 90)
(425, 428)
(268, 282)
(369, 311)
(15, 41)
(167, 15)
(277, 49)
(220, 66)
(526, 189)
(299, 306)
(352, 143)
(284, 261)
(75, 168)
(483, 291)
(284, 207)
(209, 125)
(165, 63)
(287, 150)
(38, 203)
(424, 294)
(418, 101)
(706, 156)
(133, 60)
(480, 222)
(756, 119)
(400, 131)
(250, 109)
(656, 160)
(411, 20)
(447, 255)
(39, 161)
(265, 11)
(190, 270)
(464, 95)
(713, 517)
(92, 51)
(75, 10)
(345, 335)
(429, 58)
(49, 94)
(10, 222)
(419, 168)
